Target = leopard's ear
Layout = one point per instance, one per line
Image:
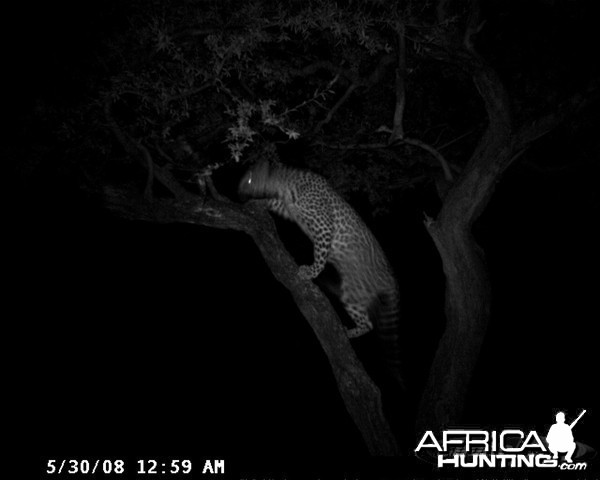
(266, 153)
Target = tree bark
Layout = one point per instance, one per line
(468, 291)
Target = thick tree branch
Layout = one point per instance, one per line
(535, 129)
(475, 186)
(474, 26)
(408, 141)
(360, 395)
(467, 304)
(467, 284)
(468, 298)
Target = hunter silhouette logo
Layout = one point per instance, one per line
(508, 448)
(560, 437)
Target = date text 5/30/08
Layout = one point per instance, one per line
(118, 466)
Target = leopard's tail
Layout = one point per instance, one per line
(386, 320)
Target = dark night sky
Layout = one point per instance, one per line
(175, 340)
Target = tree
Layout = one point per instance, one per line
(344, 82)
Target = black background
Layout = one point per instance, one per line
(174, 340)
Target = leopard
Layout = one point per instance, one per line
(368, 290)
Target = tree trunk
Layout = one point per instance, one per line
(467, 314)
(468, 293)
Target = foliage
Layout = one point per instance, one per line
(202, 84)
(206, 83)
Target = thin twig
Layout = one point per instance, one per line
(398, 126)
(386, 146)
(189, 93)
(447, 144)
(318, 94)
(436, 154)
(336, 107)
(148, 194)
(135, 147)
(353, 146)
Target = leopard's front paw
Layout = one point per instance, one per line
(305, 273)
